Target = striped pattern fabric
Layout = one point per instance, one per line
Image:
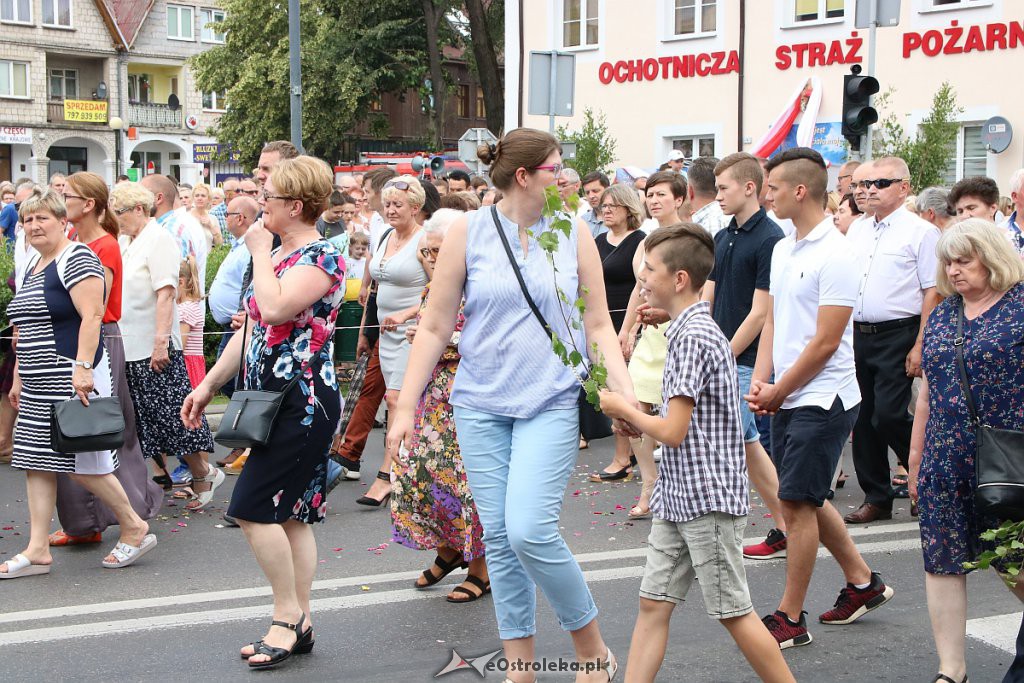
(48, 326)
(708, 471)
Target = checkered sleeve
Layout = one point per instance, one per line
(691, 368)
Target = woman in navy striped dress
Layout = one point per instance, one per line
(57, 313)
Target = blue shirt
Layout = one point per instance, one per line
(597, 226)
(227, 284)
(8, 221)
(508, 367)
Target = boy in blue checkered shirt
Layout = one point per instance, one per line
(700, 501)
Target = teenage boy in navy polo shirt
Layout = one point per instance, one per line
(738, 292)
(700, 499)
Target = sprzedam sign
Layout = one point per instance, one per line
(87, 111)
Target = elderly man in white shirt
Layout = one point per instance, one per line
(896, 265)
(1014, 223)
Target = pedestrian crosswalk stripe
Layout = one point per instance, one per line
(998, 631)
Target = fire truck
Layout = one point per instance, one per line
(423, 164)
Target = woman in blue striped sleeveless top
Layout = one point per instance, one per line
(515, 404)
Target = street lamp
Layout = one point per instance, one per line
(116, 124)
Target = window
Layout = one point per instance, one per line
(696, 146)
(215, 101)
(462, 103)
(956, 4)
(63, 84)
(19, 11)
(13, 79)
(481, 108)
(180, 22)
(208, 34)
(57, 13)
(692, 17)
(579, 29)
(376, 105)
(139, 89)
(817, 10)
(969, 157)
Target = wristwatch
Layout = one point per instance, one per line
(84, 363)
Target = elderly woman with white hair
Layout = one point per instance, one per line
(431, 504)
(400, 278)
(982, 279)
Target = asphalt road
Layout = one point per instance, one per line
(182, 612)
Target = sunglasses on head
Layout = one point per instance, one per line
(880, 183)
(397, 184)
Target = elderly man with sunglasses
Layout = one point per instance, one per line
(896, 256)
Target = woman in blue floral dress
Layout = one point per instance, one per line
(292, 306)
(979, 272)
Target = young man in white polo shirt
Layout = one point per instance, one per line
(808, 341)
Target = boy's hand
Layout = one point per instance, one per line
(764, 398)
(613, 405)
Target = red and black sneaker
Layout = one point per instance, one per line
(771, 547)
(787, 633)
(853, 603)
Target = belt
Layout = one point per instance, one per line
(875, 328)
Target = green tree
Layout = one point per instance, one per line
(927, 153)
(595, 147)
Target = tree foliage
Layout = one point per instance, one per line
(927, 153)
(595, 147)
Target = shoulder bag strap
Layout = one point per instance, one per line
(958, 345)
(519, 274)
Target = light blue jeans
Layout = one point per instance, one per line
(517, 470)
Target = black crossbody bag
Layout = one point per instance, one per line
(999, 454)
(593, 424)
(250, 415)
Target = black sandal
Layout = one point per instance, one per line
(446, 567)
(475, 580)
(303, 639)
(303, 647)
(943, 677)
(373, 502)
(164, 481)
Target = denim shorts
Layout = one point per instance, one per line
(708, 548)
(747, 418)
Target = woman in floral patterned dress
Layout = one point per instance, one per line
(292, 307)
(980, 274)
(431, 505)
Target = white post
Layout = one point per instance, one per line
(872, 31)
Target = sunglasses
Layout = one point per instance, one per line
(397, 184)
(427, 252)
(880, 183)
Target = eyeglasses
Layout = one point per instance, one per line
(397, 184)
(121, 212)
(268, 197)
(427, 252)
(554, 168)
(880, 183)
(72, 196)
(232, 213)
(848, 175)
(251, 193)
(609, 207)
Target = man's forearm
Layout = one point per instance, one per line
(808, 364)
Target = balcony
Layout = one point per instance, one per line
(85, 114)
(150, 115)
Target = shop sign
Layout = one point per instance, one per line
(677, 66)
(209, 153)
(820, 54)
(14, 135)
(88, 111)
(956, 39)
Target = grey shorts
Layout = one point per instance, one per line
(710, 549)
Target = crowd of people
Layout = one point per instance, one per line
(750, 321)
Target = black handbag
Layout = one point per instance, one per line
(77, 428)
(593, 423)
(999, 454)
(250, 415)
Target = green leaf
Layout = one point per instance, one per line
(576, 358)
(552, 201)
(548, 241)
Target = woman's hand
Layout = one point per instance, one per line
(82, 381)
(362, 346)
(410, 332)
(15, 394)
(391, 323)
(364, 294)
(194, 405)
(627, 340)
(400, 432)
(258, 239)
(160, 358)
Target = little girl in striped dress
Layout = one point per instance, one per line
(191, 317)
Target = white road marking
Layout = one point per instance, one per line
(193, 619)
(999, 631)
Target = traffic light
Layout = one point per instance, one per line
(858, 114)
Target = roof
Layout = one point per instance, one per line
(124, 19)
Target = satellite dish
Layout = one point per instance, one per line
(996, 133)
(101, 91)
(173, 103)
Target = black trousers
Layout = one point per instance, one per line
(884, 421)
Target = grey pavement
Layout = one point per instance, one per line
(183, 611)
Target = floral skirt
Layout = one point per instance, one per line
(431, 504)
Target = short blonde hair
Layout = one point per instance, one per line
(628, 198)
(202, 187)
(43, 199)
(981, 238)
(307, 179)
(414, 195)
(127, 195)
